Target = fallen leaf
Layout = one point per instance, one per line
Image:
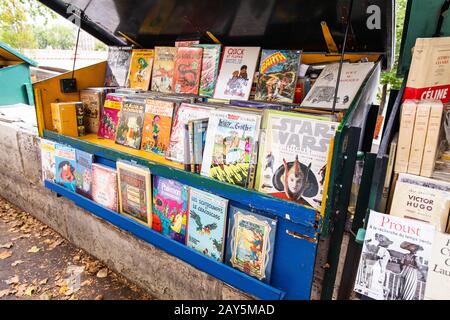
(21, 288)
(15, 263)
(31, 290)
(76, 258)
(7, 292)
(5, 254)
(13, 280)
(46, 296)
(86, 283)
(43, 227)
(44, 281)
(7, 245)
(65, 290)
(102, 273)
(55, 244)
(26, 235)
(34, 249)
(73, 297)
(99, 297)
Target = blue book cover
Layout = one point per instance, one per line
(251, 243)
(83, 173)
(65, 162)
(200, 127)
(207, 223)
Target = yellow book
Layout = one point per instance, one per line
(141, 68)
(419, 135)
(407, 118)
(327, 178)
(64, 118)
(432, 139)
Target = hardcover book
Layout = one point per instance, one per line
(251, 243)
(293, 156)
(277, 75)
(157, 125)
(83, 173)
(395, 257)
(131, 121)
(407, 119)
(140, 68)
(110, 116)
(207, 223)
(231, 138)
(135, 192)
(117, 66)
(188, 66)
(432, 139)
(163, 67)
(419, 136)
(65, 163)
(92, 100)
(170, 207)
(438, 280)
(104, 186)
(236, 73)
(210, 68)
(64, 117)
(48, 159)
(200, 128)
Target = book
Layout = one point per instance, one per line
(429, 72)
(388, 177)
(182, 115)
(187, 70)
(163, 67)
(65, 164)
(230, 140)
(210, 68)
(131, 121)
(92, 105)
(236, 73)
(432, 138)
(187, 154)
(395, 257)
(419, 136)
(117, 66)
(135, 191)
(64, 117)
(407, 119)
(438, 280)
(277, 75)
(83, 173)
(48, 159)
(170, 207)
(190, 145)
(207, 220)
(422, 199)
(251, 243)
(297, 144)
(200, 127)
(141, 66)
(104, 186)
(186, 43)
(110, 116)
(321, 95)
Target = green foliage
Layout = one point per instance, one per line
(56, 37)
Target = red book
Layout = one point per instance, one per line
(188, 66)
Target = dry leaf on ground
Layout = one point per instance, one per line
(102, 273)
(55, 244)
(15, 263)
(6, 292)
(7, 245)
(43, 281)
(46, 296)
(13, 280)
(5, 254)
(34, 249)
(31, 290)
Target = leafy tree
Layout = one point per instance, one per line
(56, 37)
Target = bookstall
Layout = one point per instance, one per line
(338, 35)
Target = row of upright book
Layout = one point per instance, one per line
(200, 220)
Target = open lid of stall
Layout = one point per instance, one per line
(9, 54)
(287, 24)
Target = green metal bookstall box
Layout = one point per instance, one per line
(320, 28)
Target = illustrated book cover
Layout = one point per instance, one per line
(140, 68)
(199, 128)
(65, 163)
(118, 64)
(187, 70)
(83, 173)
(110, 116)
(163, 67)
(92, 100)
(186, 43)
(104, 186)
(131, 121)
(438, 281)
(48, 159)
(210, 68)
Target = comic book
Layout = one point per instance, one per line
(210, 68)
(65, 163)
(277, 75)
(110, 116)
(170, 207)
(157, 126)
(207, 223)
(163, 67)
(131, 120)
(92, 100)
(83, 173)
(187, 70)
(140, 69)
(230, 140)
(118, 64)
(104, 186)
(48, 159)
(200, 127)
(251, 243)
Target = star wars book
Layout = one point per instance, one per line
(92, 100)
(110, 116)
(135, 191)
(157, 125)
(231, 138)
(140, 68)
(207, 223)
(83, 173)
(131, 121)
(251, 243)
(187, 70)
(65, 163)
(104, 186)
(321, 95)
(170, 208)
(293, 156)
(438, 280)
(236, 73)
(118, 64)
(395, 258)
(163, 67)
(210, 68)
(48, 159)
(277, 79)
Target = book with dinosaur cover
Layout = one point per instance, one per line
(118, 64)
(207, 223)
(163, 67)
(438, 280)
(277, 75)
(293, 156)
(83, 173)
(65, 164)
(231, 138)
(64, 117)
(170, 208)
(236, 73)
(251, 243)
(129, 128)
(104, 186)
(210, 68)
(187, 70)
(135, 191)
(200, 128)
(321, 95)
(140, 68)
(395, 258)
(92, 100)
(48, 159)
(110, 116)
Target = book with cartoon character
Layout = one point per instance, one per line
(277, 75)
(187, 70)
(163, 67)
(65, 163)
(104, 186)
(48, 159)
(110, 116)
(83, 173)
(170, 207)
(118, 64)
(293, 156)
(129, 128)
(210, 68)
(140, 68)
(236, 73)
(92, 100)
(207, 223)
(251, 243)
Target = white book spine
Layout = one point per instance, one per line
(407, 118)
(432, 139)
(419, 135)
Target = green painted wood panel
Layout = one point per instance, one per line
(13, 85)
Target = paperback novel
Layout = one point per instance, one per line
(188, 66)
(129, 128)
(92, 100)
(110, 116)
(163, 67)
(141, 68)
(104, 186)
(65, 163)
(117, 66)
(438, 280)
(210, 68)
(83, 173)
(48, 159)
